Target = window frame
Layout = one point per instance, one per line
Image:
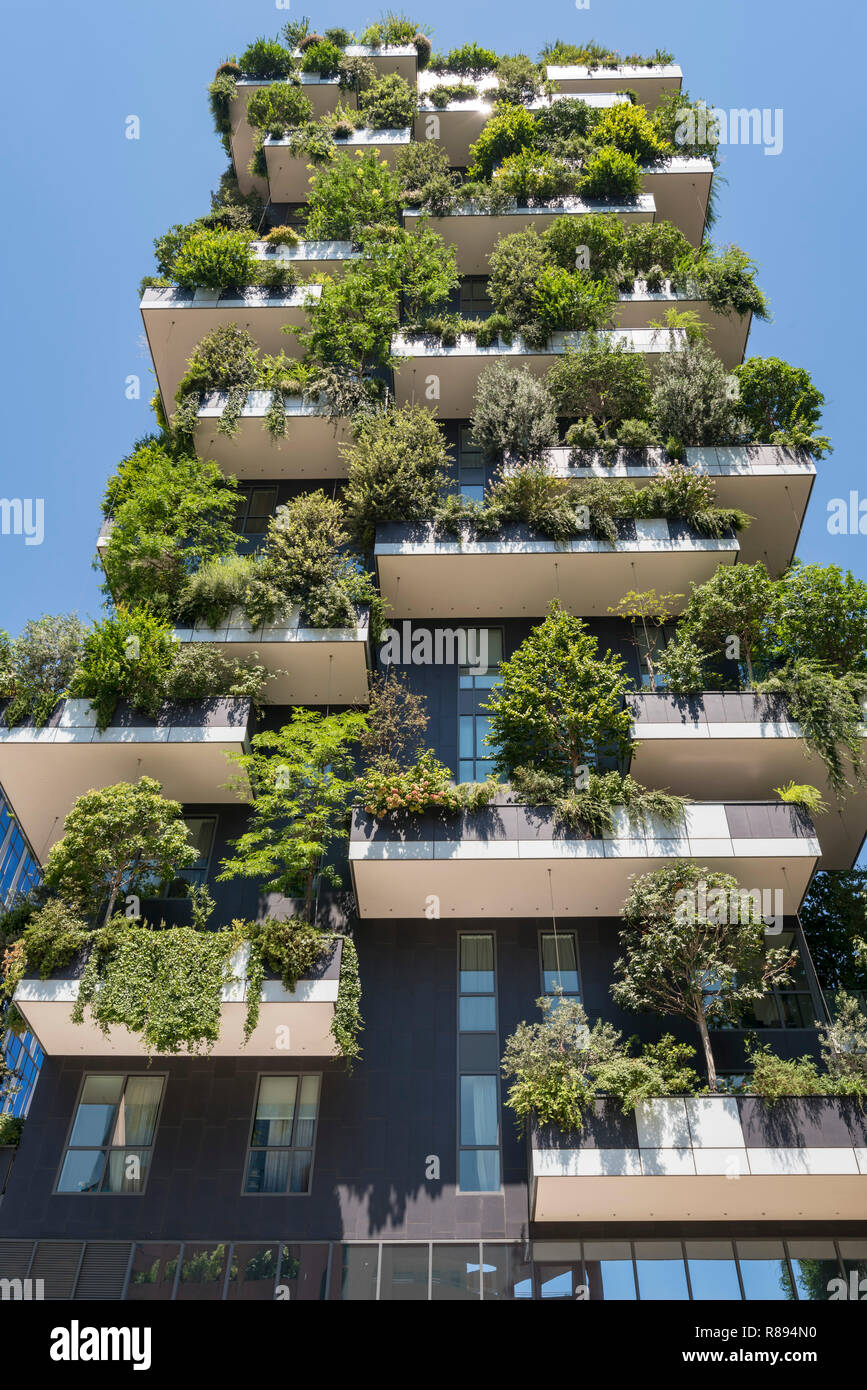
(460, 1147)
(107, 1148)
(542, 934)
(281, 1148)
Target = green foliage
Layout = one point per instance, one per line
(442, 96)
(563, 126)
(11, 1129)
(602, 379)
(415, 267)
(470, 58)
(834, 920)
(397, 721)
(592, 809)
(781, 405)
(353, 191)
(172, 513)
(278, 108)
(37, 666)
(510, 130)
(350, 326)
(555, 1062)
(531, 176)
(802, 794)
(397, 469)
(738, 601)
(843, 1045)
(691, 400)
(513, 413)
(221, 93)
(347, 1022)
(300, 777)
(126, 656)
(53, 936)
(323, 57)
(629, 129)
(426, 785)
(776, 1078)
(822, 617)
(281, 236)
(216, 587)
(610, 175)
(389, 103)
(266, 59)
(200, 671)
(115, 841)
(726, 279)
(687, 954)
(424, 176)
(828, 708)
(289, 948)
(698, 138)
(570, 300)
(559, 704)
(661, 1069)
(226, 357)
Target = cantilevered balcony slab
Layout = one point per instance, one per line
(311, 448)
(772, 485)
(324, 95)
(681, 190)
(740, 745)
(727, 333)
(648, 83)
(459, 124)
(311, 665)
(309, 257)
(292, 1023)
(704, 1158)
(44, 770)
(386, 58)
(508, 860)
(455, 370)
(474, 234)
(424, 574)
(289, 174)
(177, 320)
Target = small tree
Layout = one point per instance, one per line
(823, 617)
(116, 841)
(304, 561)
(781, 405)
(352, 322)
(691, 400)
(652, 611)
(843, 1045)
(398, 468)
(513, 413)
(127, 656)
(302, 788)
(738, 602)
(694, 948)
(397, 721)
(559, 705)
(37, 665)
(554, 1063)
(603, 379)
(349, 193)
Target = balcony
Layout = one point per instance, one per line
(740, 745)
(727, 333)
(176, 321)
(310, 449)
(312, 666)
(513, 861)
(386, 58)
(648, 83)
(323, 93)
(289, 174)
(44, 770)
(423, 574)
(474, 234)
(681, 190)
(311, 257)
(457, 368)
(772, 485)
(704, 1158)
(293, 1023)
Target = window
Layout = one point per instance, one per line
(476, 302)
(651, 643)
(111, 1140)
(478, 1082)
(789, 1006)
(560, 964)
(256, 506)
(471, 466)
(201, 831)
(475, 757)
(284, 1130)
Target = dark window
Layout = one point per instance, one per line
(284, 1131)
(111, 1140)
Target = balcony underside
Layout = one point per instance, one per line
(289, 175)
(681, 191)
(475, 234)
(820, 1197)
(175, 328)
(311, 666)
(452, 373)
(310, 449)
(437, 578)
(648, 84)
(511, 861)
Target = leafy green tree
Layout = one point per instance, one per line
(215, 259)
(302, 788)
(417, 265)
(738, 602)
(304, 561)
(781, 405)
(571, 300)
(688, 955)
(604, 236)
(226, 357)
(510, 130)
(691, 402)
(397, 469)
(559, 705)
(126, 656)
(513, 413)
(352, 323)
(834, 920)
(603, 379)
(37, 665)
(629, 128)
(424, 175)
(610, 174)
(843, 1045)
(389, 103)
(278, 107)
(351, 192)
(823, 617)
(554, 1063)
(171, 514)
(516, 263)
(121, 839)
(650, 611)
(519, 79)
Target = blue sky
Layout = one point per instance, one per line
(84, 204)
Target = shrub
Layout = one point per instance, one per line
(281, 236)
(610, 175)
(469, 59)
(11, 1129)
(691, 400)
(518, 79)
(602, 379)
(568, 120)
(397, 469)
(554, 1063)
(424, 175)
(218, 586)
(513, 413)
(226, 357)
(570, 300)
(289, 948)
(802, 794)
(322, 56)
(776, 1078)
(423, 48)
(278, 107)
(510, 130)
(440, 97)
(351, 192)
(304, 563)
(37, 666)
(843, 1044)
(266, 58)
(127, 656)
(200, 671)
(532, 175)
(584, 434)
(726, 280)
(216, 260)
(389, 103)
(629, 129)
(425, 786)
(823, 617)
(636, 434)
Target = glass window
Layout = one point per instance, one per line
(506, 1274)
(252, 1273)
(712, 1270)
(284, 1129)
(255, 509)
(477, 1014)
(764, 1270)
(477, 964)
(478, 1094)
(479, 1170)
(487, 644)
(660, 1269)
(853, 1253)
(815, 1264)
(203, 1270)
(152, 1275)
(404, 1274)
(479, 1118)
(608, 1269)
(112, 1134)
(455, 1273)
(200, 831)
(304, 1272)
(357, 1271)
(559, 963)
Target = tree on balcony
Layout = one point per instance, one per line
(694, 948)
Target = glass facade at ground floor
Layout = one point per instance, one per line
(764, 1268)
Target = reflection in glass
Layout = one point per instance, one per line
(815, 1264)
(608, 1269)
(660, 1269)
(479, 1170)
(506, 1274)
(358, 1268)
(764, 1270)
(404, 1274)
(152, 1276)
(712, 1270)
(455, 1273)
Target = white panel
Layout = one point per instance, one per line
(727, 1163)
(813, 1161)
(714, 1122)
(706, 822)
(667, 1163)
(662, 1124)
(586, 1163)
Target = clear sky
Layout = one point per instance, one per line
(83, 204)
